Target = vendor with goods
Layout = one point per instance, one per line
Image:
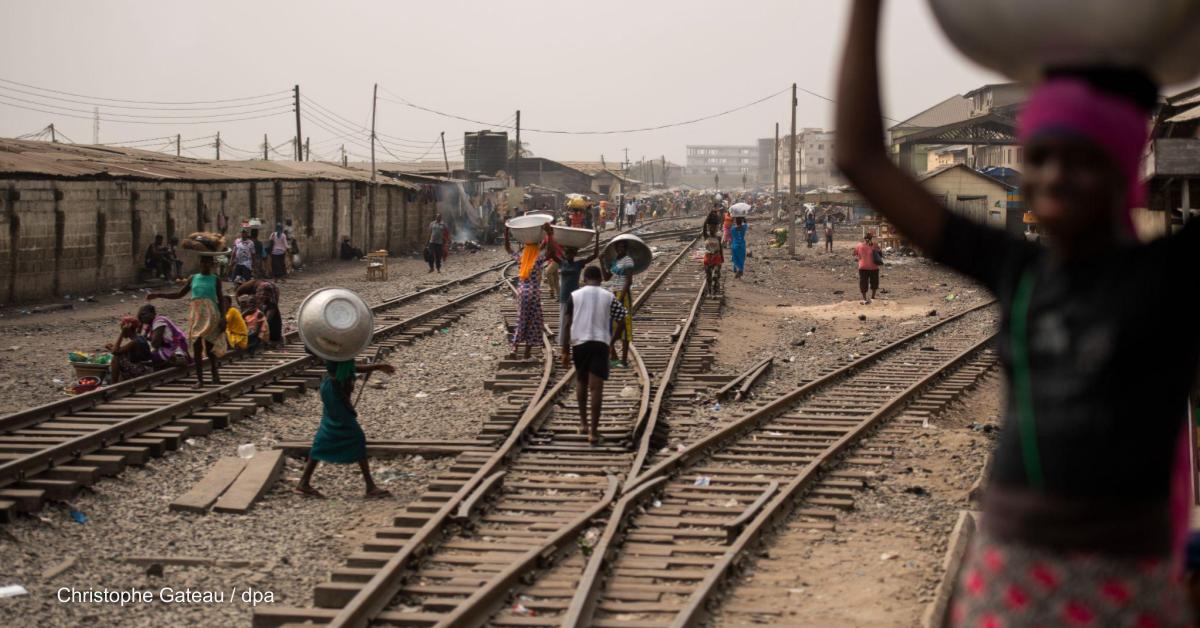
(131, 353)
(1086, 510)
(206, 320)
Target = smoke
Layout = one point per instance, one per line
(460, 216)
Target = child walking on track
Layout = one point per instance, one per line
(588, 334)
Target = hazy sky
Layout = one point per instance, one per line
(565, 64)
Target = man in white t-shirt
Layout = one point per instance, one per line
(631, 212)
(588, 332)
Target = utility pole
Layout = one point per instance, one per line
(664, 172)
(517, 161)
(96, 126)
(374, 100)
(296, 91)
(177, 148)
(775, 166)
(218, 145)
(445, 159)
(792, 179)
(344, 162)
(307, 155)
(626, 164)
(53, 134)
(266, 147)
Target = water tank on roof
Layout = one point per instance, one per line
(485, 152)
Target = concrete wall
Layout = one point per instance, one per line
(61, 237)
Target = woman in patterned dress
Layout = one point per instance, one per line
(531, 258)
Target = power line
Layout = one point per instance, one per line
(114, 106)
(352, 126)
(407, 103)
(106, 119)
(64, 135)
(148, 102)
(148, 116)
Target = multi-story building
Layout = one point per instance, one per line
(724, 160)
(814, 160)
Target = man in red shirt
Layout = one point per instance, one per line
(869, 257)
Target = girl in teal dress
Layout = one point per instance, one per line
(339, 438)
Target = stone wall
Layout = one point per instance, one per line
(61, 236)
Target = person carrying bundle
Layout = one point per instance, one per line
(1070, 534)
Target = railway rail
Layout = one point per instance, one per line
(499, 518)
(683, 525)
(50, 451)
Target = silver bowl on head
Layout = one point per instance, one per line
(527, 229)
(1022, 38)
(335, 323)
(573, 237)
(634, 247)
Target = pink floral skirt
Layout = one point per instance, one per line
(1005, 584)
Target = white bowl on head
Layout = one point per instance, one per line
(573, 237)
(528, 228)
(335, 323)
(1021, 38)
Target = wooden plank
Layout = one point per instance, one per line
(260, 473)
(207, 490)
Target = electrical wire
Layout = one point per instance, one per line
(114, 106)
(354, 127)
(365, 143)
(149, 116)
(106, 119)
(64, 135)
(147, 102)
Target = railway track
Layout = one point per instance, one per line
(51, 451)
(500, 518)
(684, 524)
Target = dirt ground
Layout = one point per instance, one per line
(34, 346)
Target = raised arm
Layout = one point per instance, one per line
(860, 154)
(179, 294)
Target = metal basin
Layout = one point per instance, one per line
(635, 248)
(573, 237)
(527, 229)
(335, 323)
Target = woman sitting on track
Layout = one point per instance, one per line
(1080, 518)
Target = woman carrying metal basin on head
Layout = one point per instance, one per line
(625, 256)
(335, 325)
(1081, 518)
(535, 234)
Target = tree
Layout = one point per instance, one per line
(512, 149)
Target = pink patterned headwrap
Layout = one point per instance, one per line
(1116, 125)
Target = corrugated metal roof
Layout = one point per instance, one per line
(942, 169)
(954, 109)
(1186, 115)
(50, 159)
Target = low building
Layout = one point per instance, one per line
(553, 174)
(974, 195)
(79, 218)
